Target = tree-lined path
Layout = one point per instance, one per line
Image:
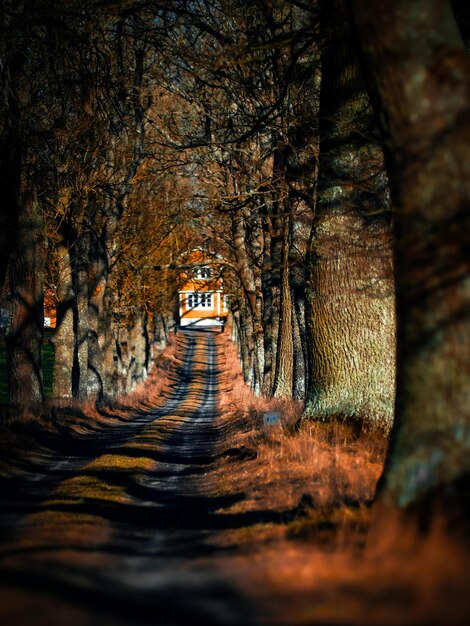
(119, 521)
(299, 173)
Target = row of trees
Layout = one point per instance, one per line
(84, 198)
(288, 165)
(289, 138)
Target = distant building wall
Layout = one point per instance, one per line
(201, 298)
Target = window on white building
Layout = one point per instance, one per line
(203, 273)
(199, 300)
(206, 300)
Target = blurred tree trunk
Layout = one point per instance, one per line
(421, 74)
(26, 278)
(350, 318)
(10, 173)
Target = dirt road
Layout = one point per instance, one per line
(176, 509)
(118, 529)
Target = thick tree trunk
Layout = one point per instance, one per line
(421, 74)
(63, 339)
(275, 285)
(301, 227)
(147, 344)
(300, 347)
(25, 336)
(350, 317)
(10, 174)
(138, 352)
(284, 376)
(350, 323)
(269, 315)
(96, 340)
(109, 349)
(98, 275)
(80, 316)
(159, 335)
(245, 341)
(253, 333)
(123, 358)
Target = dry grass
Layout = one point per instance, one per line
(329, 466)
(333, 557)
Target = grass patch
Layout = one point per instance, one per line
(120, 462)
(48, 362)
(47, 365)
(3, 372)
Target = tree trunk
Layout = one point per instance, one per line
(284, 376)
(159, 335)
(123, 357)
(98, 275)
(96, 340)
(147, 345)
(254, 334)
(350, 318)
(63, 339)
(25, 336)
(109, 348)
(10, 173)
(301, 227)
(269, 315)
(245, 342)
(421, 74)
(80, 317)
(136, 371)
(300, 347)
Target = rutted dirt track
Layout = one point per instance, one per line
(120, 531)
(166, 512)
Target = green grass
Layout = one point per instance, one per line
(3, 373)
(47, 363)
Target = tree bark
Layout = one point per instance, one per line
(350, 316)
(300, 346)
(10, 175)
(269, 314)
(26, 278)
(254, 329)
(284, 375)
(421, 75)
(80, 262)
(98, 275)
(63, 339)
(136, 371)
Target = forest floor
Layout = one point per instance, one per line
(178, 505)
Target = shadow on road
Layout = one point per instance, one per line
(120, 522)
